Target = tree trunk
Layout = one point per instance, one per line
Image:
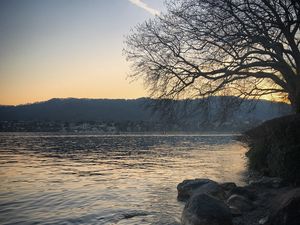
(295, 101)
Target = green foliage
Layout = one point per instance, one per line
(275, 148)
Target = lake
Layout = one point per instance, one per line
(53, 178)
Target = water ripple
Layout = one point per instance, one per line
(107, 179)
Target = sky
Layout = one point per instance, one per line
(68, 48)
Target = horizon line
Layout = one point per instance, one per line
(105, 98)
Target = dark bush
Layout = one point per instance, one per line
(274, 148)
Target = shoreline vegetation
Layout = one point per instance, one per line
(272, 193)
(274, 148)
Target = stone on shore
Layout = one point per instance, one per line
(228, 186)
(188, 188)
(235, 211)
(240, 202)
(286, 209)
(243, 191)
(203, 209)
(266, 201)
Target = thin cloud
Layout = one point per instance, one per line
(144, 6)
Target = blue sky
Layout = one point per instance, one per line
(68, 48)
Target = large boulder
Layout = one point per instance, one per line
(286, 209)
(188, 188)
(203, 209)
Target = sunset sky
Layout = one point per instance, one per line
(68, 48)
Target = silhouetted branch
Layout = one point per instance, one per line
(247, 48)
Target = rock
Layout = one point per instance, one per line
(187, 187)
(240, 202)
(285, 209)
(264, 220)
(235, 211)
(203, 209)
(199, 186)
(243, 192)
(228, 186)
(268, 182)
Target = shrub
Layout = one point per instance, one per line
(274, 148)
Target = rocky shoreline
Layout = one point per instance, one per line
(264, 201)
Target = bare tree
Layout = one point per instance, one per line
(245, 48)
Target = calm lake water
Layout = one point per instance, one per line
(107, 179)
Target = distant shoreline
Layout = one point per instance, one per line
(171, 133)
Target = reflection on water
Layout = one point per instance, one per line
(106, 179)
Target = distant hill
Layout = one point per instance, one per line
(74, 110)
